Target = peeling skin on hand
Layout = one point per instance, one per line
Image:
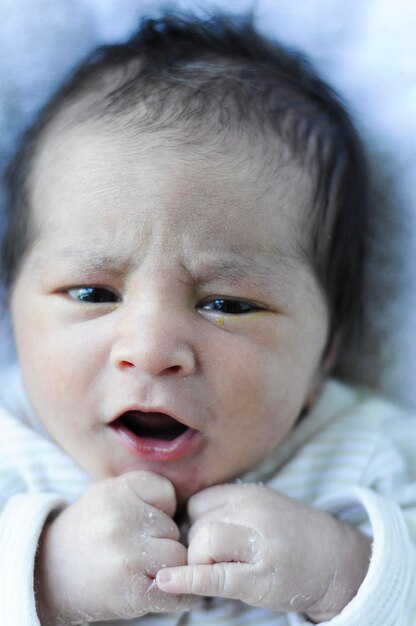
(238, 535)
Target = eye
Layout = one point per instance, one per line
(93, 295)
(230, 307)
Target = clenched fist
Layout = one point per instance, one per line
(98, 558)
(250, 543)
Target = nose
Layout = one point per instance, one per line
(154, 343)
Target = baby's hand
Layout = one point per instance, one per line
(97, 559)
(250, 543)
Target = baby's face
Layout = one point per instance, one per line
(165, 316)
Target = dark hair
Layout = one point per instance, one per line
(181, 68)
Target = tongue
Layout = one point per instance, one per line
(153, 425)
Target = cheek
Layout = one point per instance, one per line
(250, 374)
(59, 371)
(245, 397)
(57, 363)
(262, 385)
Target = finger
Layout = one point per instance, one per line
(209, 499)
(147, 499)
(159, 553)
(220, 580)
(153, 489)
(158, 601)
(152, 523)
(222, 542)
(222, 515)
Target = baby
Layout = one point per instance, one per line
(183, 260)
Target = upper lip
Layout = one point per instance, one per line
(148, 410)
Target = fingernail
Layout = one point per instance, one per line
(163, 576)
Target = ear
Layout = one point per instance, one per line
(328, 361)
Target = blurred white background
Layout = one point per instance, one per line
(367, 50)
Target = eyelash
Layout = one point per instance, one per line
(235, 307)
(102, 295)
(106, 296)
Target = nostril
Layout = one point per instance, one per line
(125, 364)
(172, 369)
(169, 359)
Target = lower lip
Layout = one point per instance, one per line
(157, 449)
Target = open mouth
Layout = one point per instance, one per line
(154, 436)
(151, 425)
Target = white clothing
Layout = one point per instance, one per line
(354, 456)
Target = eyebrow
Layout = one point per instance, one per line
(234, 266)
(84, 258)
(246, 263)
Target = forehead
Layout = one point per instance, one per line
(233, 189)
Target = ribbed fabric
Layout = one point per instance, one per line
(386, 596)
(21, 523)
(354, 456)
